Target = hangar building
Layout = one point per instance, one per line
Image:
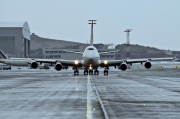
(15, 38)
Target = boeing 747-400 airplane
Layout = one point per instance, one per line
(91, 61)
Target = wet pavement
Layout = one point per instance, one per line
(49, 94)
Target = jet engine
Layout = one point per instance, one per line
(34, 65)
(58, 66)
(123, 66)
(147, 65)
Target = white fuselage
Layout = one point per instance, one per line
(91, 58)
(16, 61)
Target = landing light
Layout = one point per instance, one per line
(105, 62)
(90, 67)
(76, 62)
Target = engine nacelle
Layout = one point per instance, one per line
(34, 65)
(147, 65)
(123, 67)
(58, 66)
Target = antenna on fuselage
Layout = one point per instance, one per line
(91, 36)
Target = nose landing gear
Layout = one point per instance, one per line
(90, 72)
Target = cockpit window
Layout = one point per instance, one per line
(90, 49)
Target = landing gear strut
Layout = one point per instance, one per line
(85, 72)
(90, 72)
(76, 72)
(106, 71)
(96, 72)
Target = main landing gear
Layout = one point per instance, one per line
(76, 71)
(85, 72)
(96, 72)
(106, 71)
(91, 72)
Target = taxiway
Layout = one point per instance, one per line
(48, 94)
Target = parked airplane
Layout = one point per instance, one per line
(177, 59)
(14, 61)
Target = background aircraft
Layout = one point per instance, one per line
(14, 61)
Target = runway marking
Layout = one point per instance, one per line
(89, 108)
(106, 116)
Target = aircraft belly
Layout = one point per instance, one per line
(93, 62)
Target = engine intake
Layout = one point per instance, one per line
(34, 65)
(58, 67)
(123, 67)
(147, 65)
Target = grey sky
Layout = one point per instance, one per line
(155, 23)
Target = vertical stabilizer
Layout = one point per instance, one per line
(91, 36)
(2, 55)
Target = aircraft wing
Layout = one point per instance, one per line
(105, 63)
(131, 61)
(62, 61)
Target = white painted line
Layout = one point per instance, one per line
(89, 108)
(100, 101)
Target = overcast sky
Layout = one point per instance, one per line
(155, 23)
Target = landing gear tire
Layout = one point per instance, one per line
(96, 72)
(85, 72)
(76, 72)
(90, 72)
(105, 72)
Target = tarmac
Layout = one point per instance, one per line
(137, 93)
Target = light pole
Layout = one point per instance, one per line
(128, 43)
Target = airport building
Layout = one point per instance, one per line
(56, 49)
(55, 53)
(15, 38)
